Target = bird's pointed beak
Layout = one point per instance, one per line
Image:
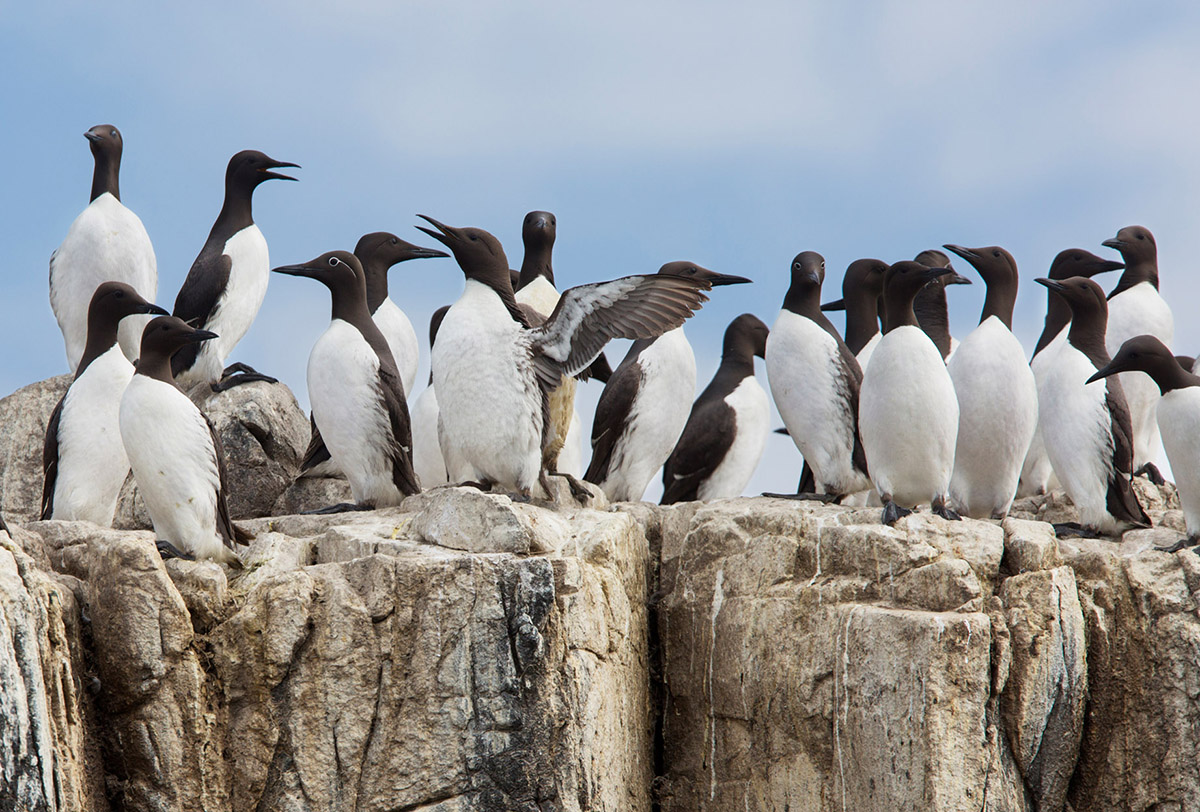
(838, 304)
(446, 235)
(426, 253)
(934, 273)
(955, 278)
(267, 173)
(718, 279)
(1109, 265)
(295, 270)
(1111, 368)
(1114, 243)
(201, 335)
(1052, 284)
(965, 253)
(94, 137)
(152, 309)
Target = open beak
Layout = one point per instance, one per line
(839, 304)
(278, 175)
(446, 235)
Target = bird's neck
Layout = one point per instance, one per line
(236, 212)
(1142, 270)
(930, 314)
(1087, 336)
(536, 263)
(862, 322)
(106, 176)
(1058, 316)
(377, 284)
(999, 302)
(157, 366)
(101, 338)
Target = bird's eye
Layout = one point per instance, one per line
(996, 253)
(113, 133)
(395, 241)
(795, 266)
(1141, 236)
(120, 294)
(474, 238)
(333, 261)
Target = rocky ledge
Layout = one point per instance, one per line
(466, 653)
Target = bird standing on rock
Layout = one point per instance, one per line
(84, 463)
(1037, 475)
(1085, 422)
(494, 374)
(357, 397)
(1178, 419)
(908, 412)
(1135, 307)
(228, 280)
(174, 452)
(815, 381)
(107, 242)
(997, 395)
(645, 405)
(727, 430)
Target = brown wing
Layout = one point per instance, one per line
(229, 533)
(50, 460)
(1121, 501)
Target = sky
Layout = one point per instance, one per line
(734, 137)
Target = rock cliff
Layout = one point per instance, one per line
(462, 652)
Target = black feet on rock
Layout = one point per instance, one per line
(825, 498)
(1151, 472)
(942, 509)
(1182, 544)
(1064, 530)
(168, 550)
(580, 491)
(893, 513)
(238, 374)
(341, 507)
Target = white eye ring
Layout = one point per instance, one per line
(333, 262)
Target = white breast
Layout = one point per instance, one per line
(997, 416)
(401, 339)
(752, 415)
(570, 459)
(343, 388)
(540, 295)
(1077, 430)
(656, 420)
(427, 451)
(174, 462)
(92, 464)
(1037, 474)
(236, 307)
(107, 242)
(1138, 311)
(804, 372)
(908, 418)
(1179, 421)
(864, 355)
(490, 403)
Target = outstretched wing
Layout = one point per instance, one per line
(588, 316)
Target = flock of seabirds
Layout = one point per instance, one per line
(896, 409)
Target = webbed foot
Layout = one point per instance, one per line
(168, 550)
(1151, 472)
(893, 513)
(341, 507)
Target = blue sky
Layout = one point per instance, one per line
(732, 137)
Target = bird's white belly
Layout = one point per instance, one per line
(908, 418)
(343, 388)
(174, 461)
(92, 464)
(489, 401)
(106, 242)
(401, 339)
(804, 372)
(1037, 474)
(997, 416)
(864, 355)
(1179, 421)
(1138, 311)
(570, 459)
(1077, 431)
(656, 420)
(427, 451)
(752, 415)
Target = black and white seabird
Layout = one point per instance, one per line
(428, 462)
(535, 289)
(862, 287)
(727, 429)
(355, 389)
(175, 454)
(1135, 307)
(907, 410)
(83, 460)
(645, 405)
(930, 305)
(494, 374)
(1037, 475)
(997, 395)
(228, 280)
(107, 242)
(815, 382)
(377, 253)
(1178, 419)
(1086, 426)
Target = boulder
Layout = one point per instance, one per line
(24, 415)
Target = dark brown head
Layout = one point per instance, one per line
(1145, 353)
(1089, 313)
(106, 145)
(1135, 243)
(379, 251)
(745, 337)
(162, 338)
(999, 272)
(111, 302)
(341, 272)
(691, 270)
(248, 168)
(901, 284)
(538, 231)
(1078, 262)
(477, 252)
